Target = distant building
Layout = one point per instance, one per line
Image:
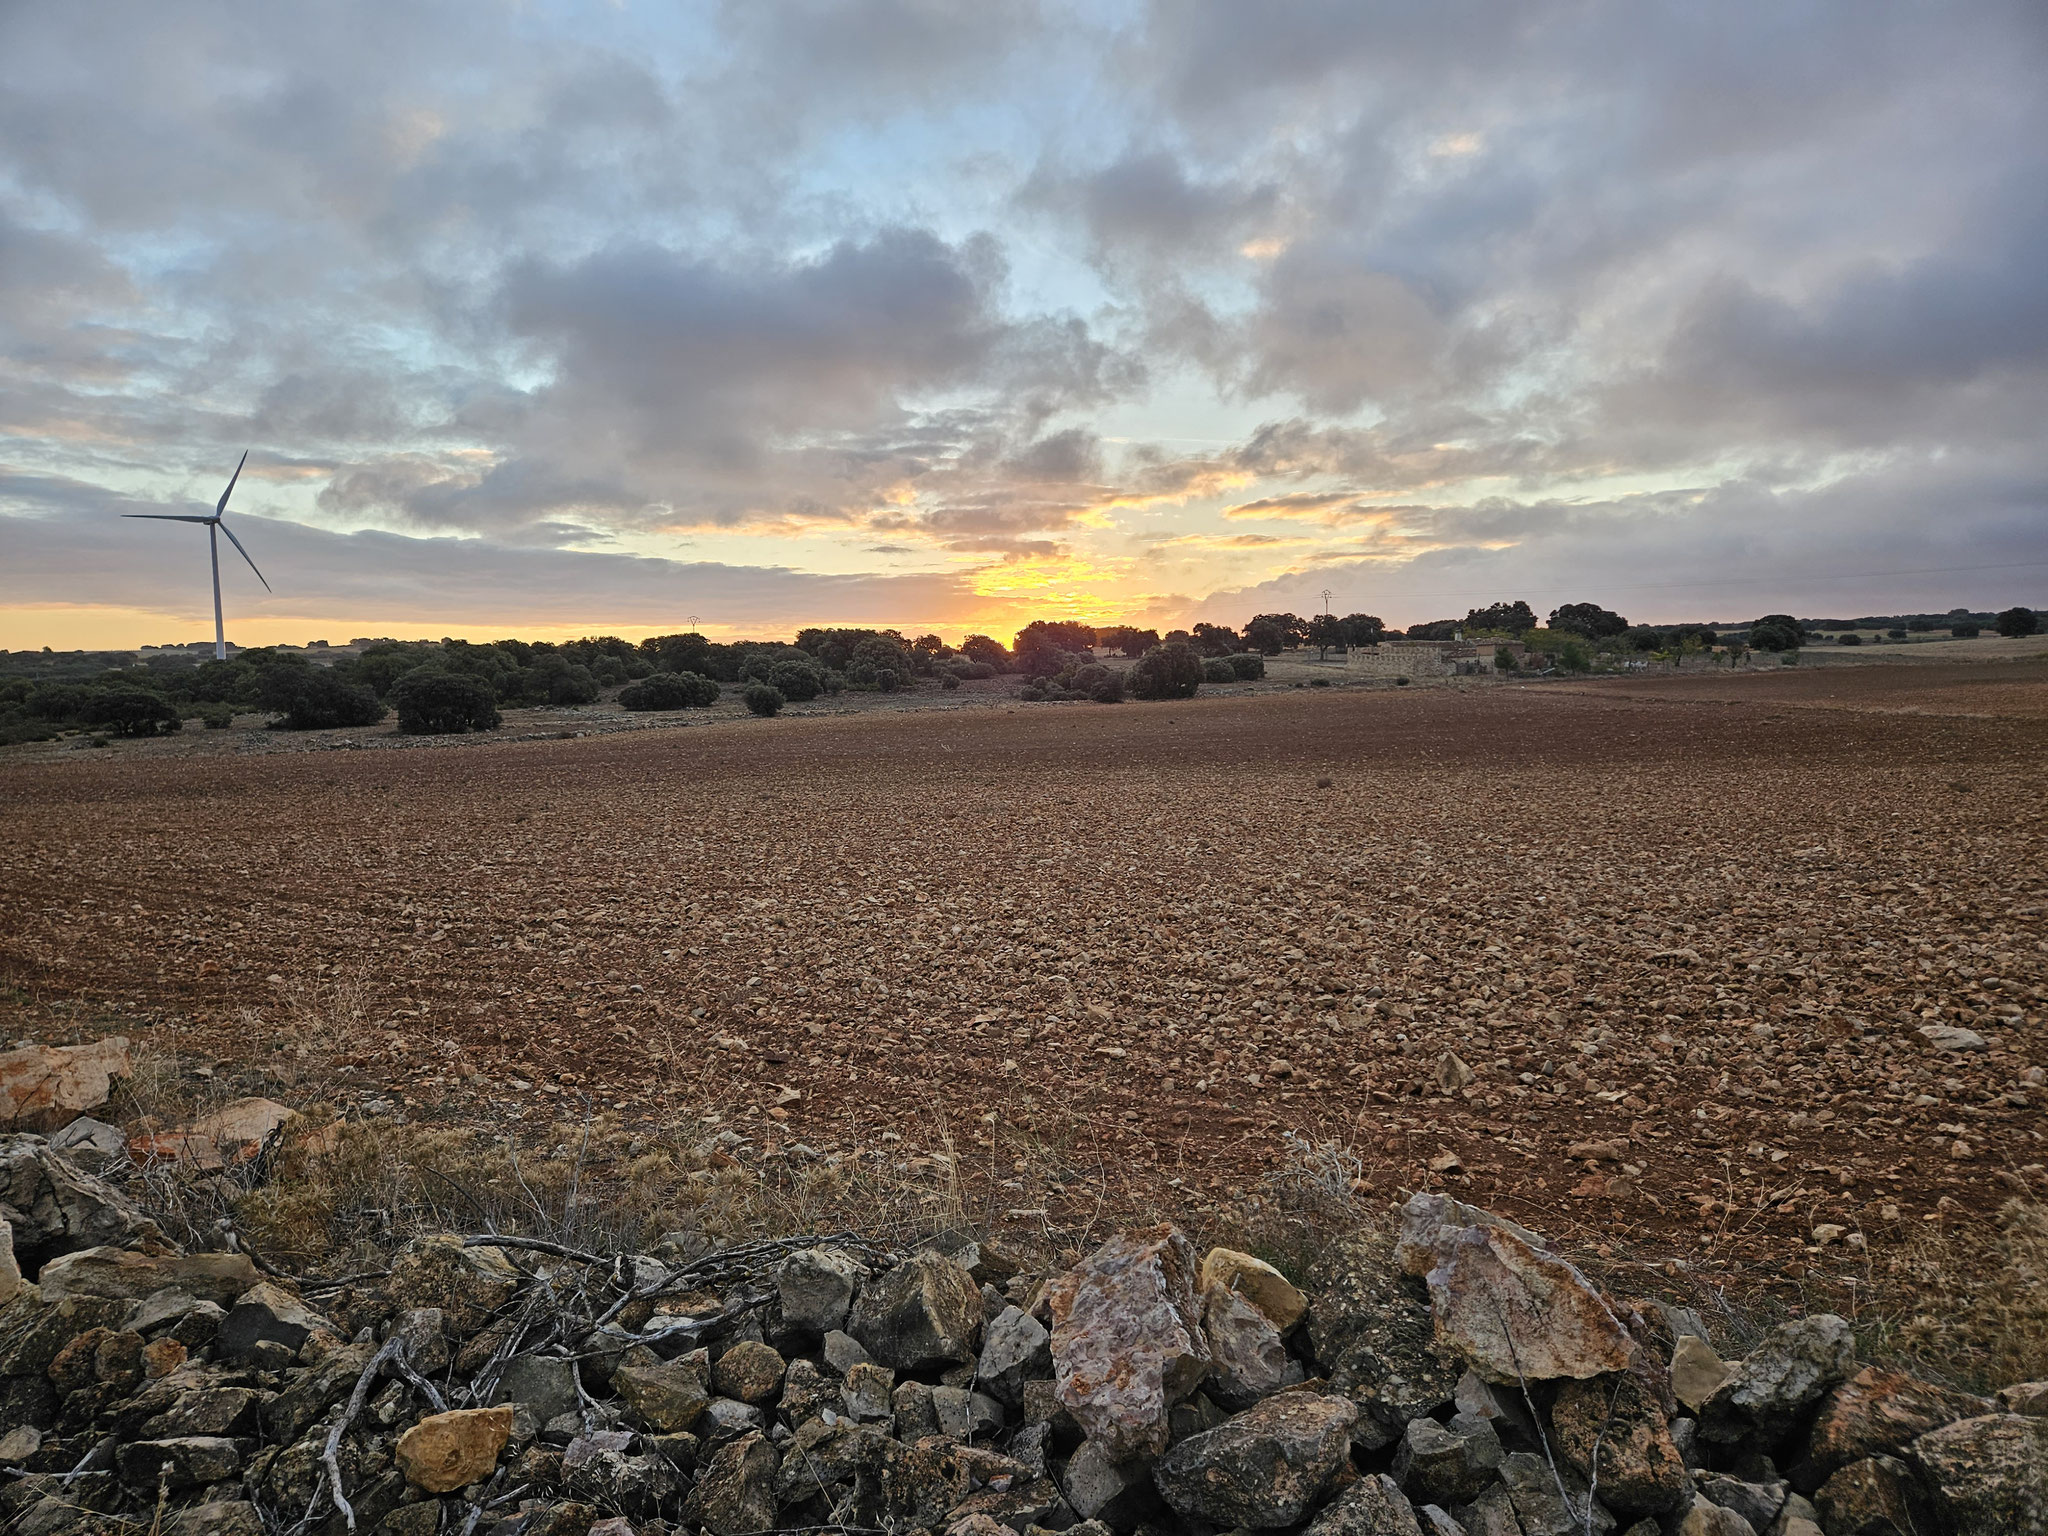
(1420, 658)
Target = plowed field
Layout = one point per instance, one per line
(1702, 922)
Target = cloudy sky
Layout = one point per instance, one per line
(550, 318)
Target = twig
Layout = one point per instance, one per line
(1515, 1355)
(1593, 1483)
(85, 1462)
(537, 1244)
(419, 1383)
(512, 1152)
(460, 1189)
(568, 1224)
(331, 1455)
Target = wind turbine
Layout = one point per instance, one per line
(214, 526)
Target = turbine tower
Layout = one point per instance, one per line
(214, 527)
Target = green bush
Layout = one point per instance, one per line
(216, 717)
(1217, 670)
(131, 712)
(1110, 690)
(2017, 623)
(1848, 639)
(436, 703)
(1895, 634)
(1319, 682)
(763, 699)
(1575, 656)
(1031, 693)
(1167, 672)
(1248, 667)
(669, 690)
(1504, 661)
(1775, 632)
(799, 681)
(948, 681)
(314, 699)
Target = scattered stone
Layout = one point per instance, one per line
(446, 1451)
(1706, 1518)
(867, 1392)
(1119, 1493)
(1877, 1412)
(545, 1384)
(2029, 1397)
(1953, 1037)
(43, 1086)
(1127, 1340)
(467, 1284)
(1989, 1473)
(925, 1312)
(126, 1275)
(816, 1287)
(11, 1282)
(54, 1206)
(1758, 1503)
(92, 1144)
(242, 1128)
(965, 1416)
(1263, 1468)
(843, 1352)
(1515, 1313)
(1257, 1281)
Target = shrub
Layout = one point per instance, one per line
(669, 690)
(1775, 632)
(1248, 667)
(1504, 661)
(763, 699)
(436, 703)
(1030, 693)
(1217, 670)
(314, 699)
(948, 681)
(1401, 682)
(1110, 690)
(1848, 639)
(1964, 631)
(1319, 682)
(131, 712)
(2015, 623)
(216, 717)
(1167, 672)
(1895, 634)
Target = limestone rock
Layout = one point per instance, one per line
(665, 1397)
(446, 1451)
(1533, 1490)
(1756, 1502)
(815, 1287)
(735, 1492)
(749, 1371)
(11, 1283)
(2029, 1397)
(1874, 1497)
(1372, 1506)
(267, 1313)
(1780, 1379)
(925, 1312)
(965, 1416)
(1015, 1348)
(1514, 1312)
(1452, 1464)
(1265, 1467)
(58, 1207)
(184, 1462)
(1989, 1473)
(1127, 1339)
(805, 1390)
(1706, 1518)
(1248, 1361)
(1879, 1411)
(1492, 1514)
(1373, 1334)
(1257, 1281)
(129, 1276)
(1426, 1218)
(288, 1415)
(220, 1517)
(44, 1086)
(1115, 1491)
(241, 1128)
(545, 1384)
(1641, 1470)
(867, 1393)
(1696, 1371)
(467, 1284)
(842, 1351)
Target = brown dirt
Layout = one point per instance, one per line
(1701, 917)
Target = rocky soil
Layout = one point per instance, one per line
(1455, 1378)
(1755, 984)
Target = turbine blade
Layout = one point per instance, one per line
(168, 517)
(224, 528)
(222, 505)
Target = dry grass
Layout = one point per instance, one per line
(1973, 1311)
